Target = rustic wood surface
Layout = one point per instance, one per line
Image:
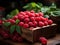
(57, 37)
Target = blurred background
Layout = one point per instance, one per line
(7, 6)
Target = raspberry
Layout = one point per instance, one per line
(35, 23)
(1, 22)
(43, 19)
(12, 21)
(43, 40)
(41, 24)
(22, 13)
(41, 14)
(50, 22)
(45, 23)
(21, 24)
(6, 35)
(32, 11)
(27, 12)
(36, 14)
(32, 19)
(15, 17)
(14, 38)
(37, 18)
(26, 20)
(20, 39)
(30, 24)
(26, 16)
(25, 25)
(32, 15)
(20, 17)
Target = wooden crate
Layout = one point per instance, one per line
(34, 34)
(56, 19)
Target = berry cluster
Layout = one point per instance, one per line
(14, 37)
(31, 19)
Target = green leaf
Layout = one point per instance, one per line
(33, 4)
(46, 16)
(12, 29)
(3, 18)
(6, 24)
(14, 12)
(17, 21)
(18, 29)
(40, 4)
(45, 9)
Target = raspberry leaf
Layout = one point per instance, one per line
(18, 29)
(12, 28)
(6, 24)
(17, 21)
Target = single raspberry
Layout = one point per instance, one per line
(43, 40)
(31, 24)
(25, 25)
(20, 39)
(32, 11)
(22, 13)
(14, 38)
(1, 22)
(41, 14)
(32, 18)
(41, 24)
(31, 15)
(45, 23)
(15, 17)
(11, 21)
(37, 19)
(26, 16)
(36, 14)
(26, 20)
(35, 23)
(6, 35)
(21, 24)
(50, 22)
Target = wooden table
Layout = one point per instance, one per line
(57, 37)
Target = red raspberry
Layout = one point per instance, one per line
(41, 24)
(32, 18)
(43, 19)
(36, 14)
(32, 11)
(25, 25)
(15, 17)
(45, 23)
(22, 13)
(1, 22)
(20, 17)
(50, 22)
(20, 39)
(21, 24)
(26, 16)
(27, 12)
(12, 21)
(14, 38)
(41, 14)
(43, 40)
(32, 15)
(37, 19)
(35, 23)
(31, 24)
(26, 20)
(6, 35)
